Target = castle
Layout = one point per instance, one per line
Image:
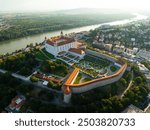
(61, 45)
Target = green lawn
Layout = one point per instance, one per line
(113, 68)
(39, 55)
(79, 77)
(43, 55)
(1, 60)
(91, 65)
(48, 54)
(85, 80)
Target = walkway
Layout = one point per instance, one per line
(147, 107)
(130, 84)
(27, 80)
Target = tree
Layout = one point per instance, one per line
(123, 82)
(128, 76)
(54, 67)
(138, 80)
(34, 79)
(25, 71)
(21, 61)
(5, 77)
(51, 84)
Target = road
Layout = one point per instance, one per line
(27, 80)
(147, 107)
(2, 71)
(130, 84)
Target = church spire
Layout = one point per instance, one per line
(45, 38)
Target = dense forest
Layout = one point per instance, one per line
(57, 68)
(91, 101)
(22, 63)
(99, 101)
(19, 25)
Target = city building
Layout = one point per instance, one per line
(119, 49)
(132, 109)
(46, 79)
(108, 47)
(144, 54)
(78, 52)
(81, 35)
(147, 76)
(129, 51)
(143, 69)
(147, 43)
(16, 103)
(135, 50)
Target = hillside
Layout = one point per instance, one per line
(16, 25)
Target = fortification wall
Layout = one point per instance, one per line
(94, 53)
(90, 86)
(95, 83)
(69, 87)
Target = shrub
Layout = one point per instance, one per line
(34, 79)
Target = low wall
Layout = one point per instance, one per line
(94, 53)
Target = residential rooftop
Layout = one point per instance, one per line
(132, 109)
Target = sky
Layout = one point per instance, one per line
(48, 5)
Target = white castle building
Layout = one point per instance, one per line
(60, 45)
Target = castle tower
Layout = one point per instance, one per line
(61, 34)
(56, 43)
(67, 94)
(45, 38)
(67, 98)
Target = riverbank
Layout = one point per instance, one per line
(12, 45)
(17, 26)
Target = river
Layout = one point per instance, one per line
(12, 45)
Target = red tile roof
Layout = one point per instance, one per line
(67, 90)
(77, 50)
(14, 104)
(20, 104)
(59, 40)
(41, 76)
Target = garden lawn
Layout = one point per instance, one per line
(48, 54)
(113, 68)
(39, 55)
(79, 77)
